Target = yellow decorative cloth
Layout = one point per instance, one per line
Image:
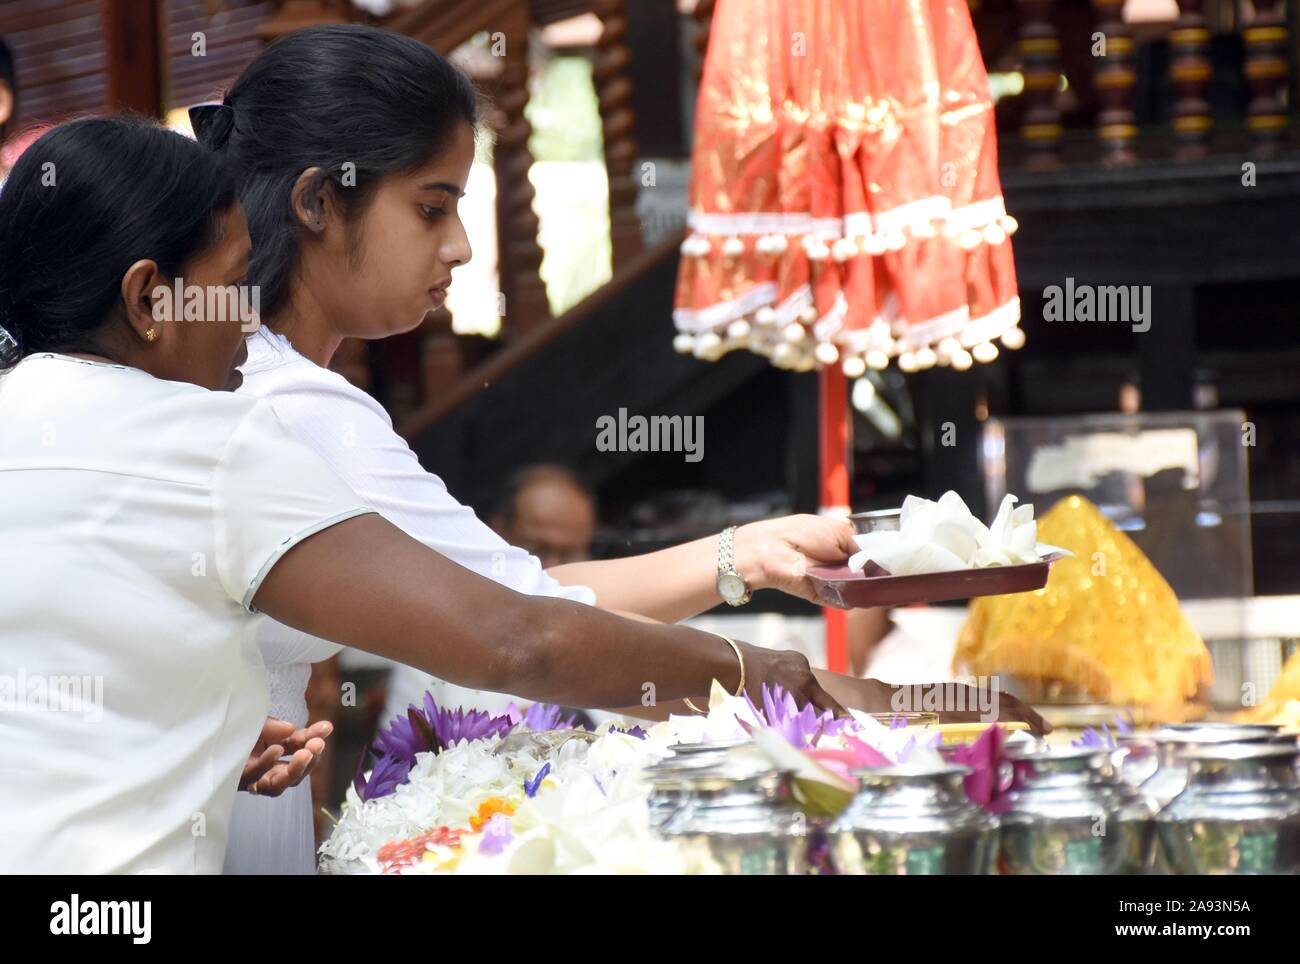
(1106, 622)
(1282, 705)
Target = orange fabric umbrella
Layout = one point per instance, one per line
(845, 201)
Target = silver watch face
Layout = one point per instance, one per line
(731, 586)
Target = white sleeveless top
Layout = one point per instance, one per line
(352, 432)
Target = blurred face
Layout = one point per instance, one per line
(402, 249)
(205, 317)
(554, 521)
(191, 328)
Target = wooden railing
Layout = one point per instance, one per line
(1110, 41)
(1044, 39)
(447, 24)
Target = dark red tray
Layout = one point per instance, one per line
(841, 586)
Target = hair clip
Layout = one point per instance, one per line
(212, 123)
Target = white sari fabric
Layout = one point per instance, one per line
(353, 433)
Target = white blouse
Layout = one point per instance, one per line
(352, 432)
(138, 518)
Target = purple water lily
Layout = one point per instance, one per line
(1097, 739)
(531, 786)
(428, 730)
(546, 716)
(802, 728)
(496, 835)
(386, 775)
(1103, 739)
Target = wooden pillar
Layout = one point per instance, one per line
(1266, 72)
(1040, 56)
(133, 55)
(1189, 71)
(520, 257)
(618, 123)
(1115, 78)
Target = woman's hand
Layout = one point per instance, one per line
(875, 696)
(776, 553)
(791, 671)
(1007, 708)
(265, 774)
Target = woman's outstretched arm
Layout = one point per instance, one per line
(679, 582)
(669, 585)
(365, 583)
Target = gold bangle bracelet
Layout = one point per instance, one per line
(740, 689)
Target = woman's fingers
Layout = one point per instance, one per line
(316, 731)
(844, 533)
(824, 541)
(1017, 710)
(286, 774)
(268, 775)
(824, 701)
(258, 766)
(276, 731)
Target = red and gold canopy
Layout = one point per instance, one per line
(845, 201)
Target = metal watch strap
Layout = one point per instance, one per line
(727, 563)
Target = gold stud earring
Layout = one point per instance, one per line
(151, 335)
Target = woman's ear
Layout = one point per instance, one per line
(147, 299)
(313, 199)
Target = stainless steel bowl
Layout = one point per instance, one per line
(1066, 813)
(879, 520)
(913, 820)
(743, 825)
(1240, 812)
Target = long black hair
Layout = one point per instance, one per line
(85, 201)
(357, 102)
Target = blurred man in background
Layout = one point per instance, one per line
(547, 510)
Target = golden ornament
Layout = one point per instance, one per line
(1282, 705)
(1106, 623)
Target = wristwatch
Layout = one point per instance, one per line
(731, 584)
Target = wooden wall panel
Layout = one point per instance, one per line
(58, 50)
(232, 42)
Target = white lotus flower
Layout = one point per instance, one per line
(944, 536)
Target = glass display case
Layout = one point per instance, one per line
(1177, 484)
